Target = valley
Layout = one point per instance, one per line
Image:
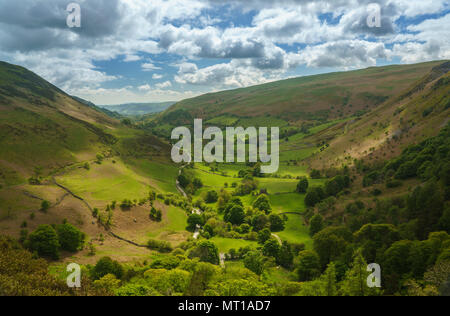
(62, 161)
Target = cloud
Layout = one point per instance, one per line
(164, 85)
(214, 44)
(145, 87)
(149, 67)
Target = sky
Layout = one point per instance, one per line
(167, 50)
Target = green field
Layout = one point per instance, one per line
(225, 244)
(296, 231)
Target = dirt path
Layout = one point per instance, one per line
(278, 239)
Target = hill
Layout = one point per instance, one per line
(306, 99)
(42, 127)
(415, 114)
(133, 109)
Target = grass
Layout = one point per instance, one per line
(107, 182)
(296, 231)
(225, 244)
(290, 202)
(176, 222)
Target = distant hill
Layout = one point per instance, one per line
(306, 99)
(92, 105)
(132, 109)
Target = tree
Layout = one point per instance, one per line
(44, 241)
(262, 203)
(316, 224)
(302, 186)
(107, 266)
(355, 281)
(314, 196)
(260, 222)
(155, 215)
(211, 197)
(276, 223)
(308, 267)
(45, 205)
(201, 277)
(206, 251)
(329, 279)
(315, 174)
(271, 248)
(194, 220)
(331, 243)
(254, 261)
(285, 258)
(70, 238)
(264, 235)
(236, 215)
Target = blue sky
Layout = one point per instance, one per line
(167, 50)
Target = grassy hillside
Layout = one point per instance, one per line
(415, 114)
(312, 98)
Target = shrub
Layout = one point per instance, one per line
(44, 241)
(303, 185)
(70, 238)
(161, 246)
(107, 266)
(45, 205)
(211, 197)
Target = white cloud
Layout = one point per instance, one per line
(149, 67)
(164, 85)
(157, 76)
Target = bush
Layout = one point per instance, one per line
(302, 186)
(211, 197)
(107, 266)
(44, 241)
(262, 203)
(155, 215)
(161, 246)
(45, 205)
(206, 251)
(70, 238)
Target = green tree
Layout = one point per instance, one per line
(331, 243)
(264, 235)
(285, 258)
(236, 215)
(262, 203)
(44, 241)
(308, 267)
(276, 223)
(107, 266)
(271, 248)
(194, 220)
(211, 197)
(254, 261)
(355, 281)
(70, 238)
(302, 186)
(45, 205)
(206, 251)
(316, 224)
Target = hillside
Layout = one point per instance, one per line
(42, 127)
(415, 114)
(305, 99)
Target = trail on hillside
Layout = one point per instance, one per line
(91, 209)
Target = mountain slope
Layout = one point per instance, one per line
(313, 98)
(41, 127)
(417, 113)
